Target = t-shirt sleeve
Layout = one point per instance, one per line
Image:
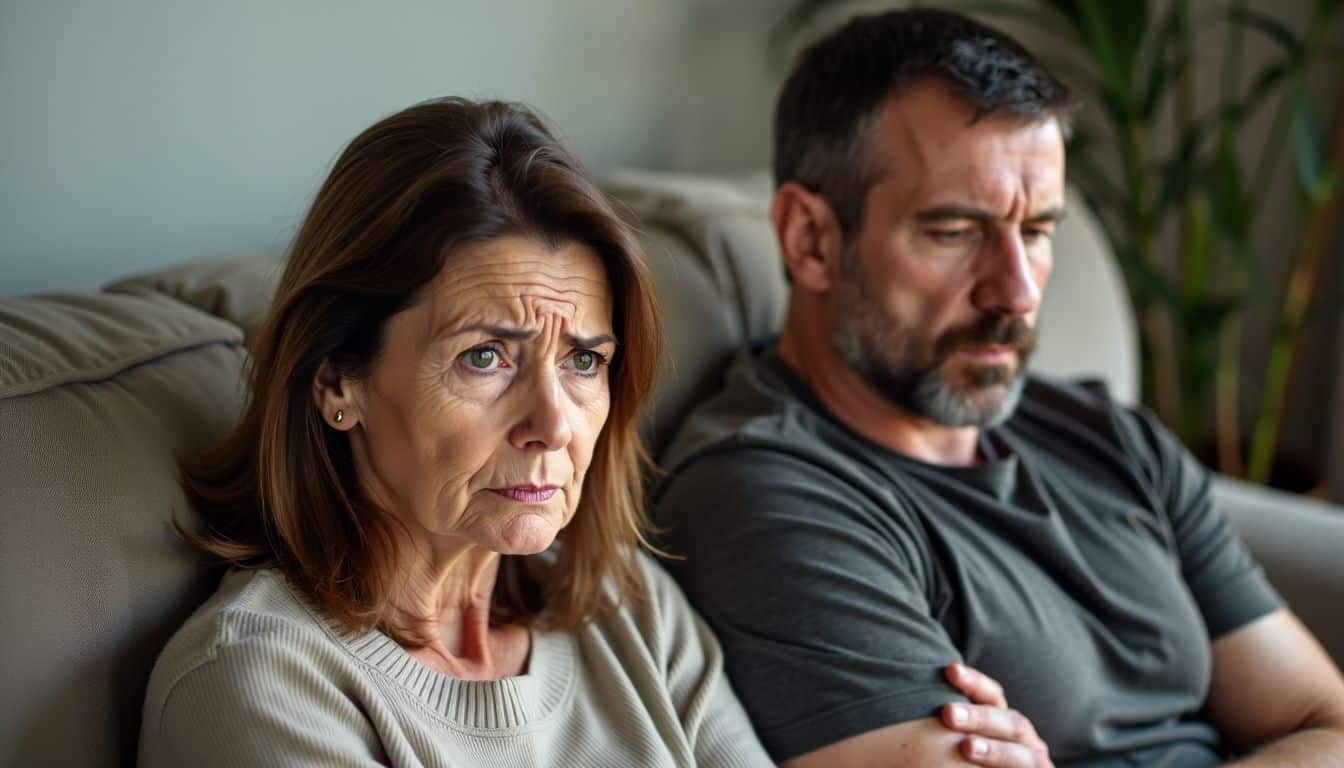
(257, 703)
(820, 607)
(1229, 587)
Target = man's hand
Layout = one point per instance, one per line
(996, 735)
(992, 735)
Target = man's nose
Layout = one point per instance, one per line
(1006, 283)
(545, 422)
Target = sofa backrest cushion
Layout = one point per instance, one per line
(238, 289)
(99, 396)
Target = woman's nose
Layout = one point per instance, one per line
(545, 422)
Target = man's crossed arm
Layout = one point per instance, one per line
(1275, 696)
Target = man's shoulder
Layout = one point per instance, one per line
(756, 412)
(760, 452)
(1085, 410)
(1078, 397)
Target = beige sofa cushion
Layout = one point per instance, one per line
(720, 281)
(98, 397)
(237, 289)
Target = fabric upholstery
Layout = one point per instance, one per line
(1300, 544)
(98, 397)
(237, 289)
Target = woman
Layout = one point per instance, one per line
(433, 500)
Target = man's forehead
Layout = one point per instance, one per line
(931, 151)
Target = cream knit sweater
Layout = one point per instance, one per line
(257, 677)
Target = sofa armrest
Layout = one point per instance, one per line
(1300, 543)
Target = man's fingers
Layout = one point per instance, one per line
(992, 722)
(1002, 754)
(978, 687)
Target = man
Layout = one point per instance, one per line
(885, 490)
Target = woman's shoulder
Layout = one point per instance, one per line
(652, 616)
(253, 614)
(247, 604)
(254, 676)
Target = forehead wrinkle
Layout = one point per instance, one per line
(509, 280)
(501, 283)
(525, 308)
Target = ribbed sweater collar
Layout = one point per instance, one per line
(487, 704)
(479, 704)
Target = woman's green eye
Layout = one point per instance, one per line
(584, 361)
(483, 357)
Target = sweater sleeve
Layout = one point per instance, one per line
(714, 721)
(257, 702)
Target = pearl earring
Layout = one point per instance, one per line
(340, 415)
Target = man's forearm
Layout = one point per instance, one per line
(1309, 748)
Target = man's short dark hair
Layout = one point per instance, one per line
(839, 84)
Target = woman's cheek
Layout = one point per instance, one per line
(475, 387)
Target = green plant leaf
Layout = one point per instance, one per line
(1178, 178)
(1226, 191)
(1276, 30)
(1265, 85)
(1113, 32)
(1184, 168)
(1313, 174)
(1251, 264)
(1148, 284)
(1167, 54)
(1203, 318)
(1197, 272)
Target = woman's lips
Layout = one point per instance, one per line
(527, 494)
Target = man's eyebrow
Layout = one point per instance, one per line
(518, 334)
(974, 213)
(1055, 214)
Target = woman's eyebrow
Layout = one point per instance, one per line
(518, 334)
(589, 343)
(498, 331)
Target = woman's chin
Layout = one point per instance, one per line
(527, 534)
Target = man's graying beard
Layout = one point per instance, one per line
(909, 374)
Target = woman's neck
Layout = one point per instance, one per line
(445, 604)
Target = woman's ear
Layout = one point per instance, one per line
(334, 396)
(809, 236)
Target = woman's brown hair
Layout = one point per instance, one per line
(281, 490)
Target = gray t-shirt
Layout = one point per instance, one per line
(1083, 565)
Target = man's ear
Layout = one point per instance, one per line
(809, 236)
(335, 397)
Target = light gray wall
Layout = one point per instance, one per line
(141, 133)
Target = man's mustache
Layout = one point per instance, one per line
(990, 330)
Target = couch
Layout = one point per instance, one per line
(100, 393)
